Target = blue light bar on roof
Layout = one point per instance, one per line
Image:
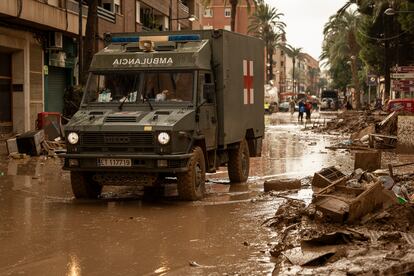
(124, 39)
(193, 37)
(173, 38)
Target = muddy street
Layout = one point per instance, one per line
(45, 231)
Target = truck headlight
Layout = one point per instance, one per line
(163, 138)
(73, 138)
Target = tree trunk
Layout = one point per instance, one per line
(293, 75)
(233, 4)
(355, 80)
(271, 63)
(89, 46)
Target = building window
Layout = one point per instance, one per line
(227, 27)
(208, 12)
(117, 5)
(227, 12)
(207, 27)
(137, 12)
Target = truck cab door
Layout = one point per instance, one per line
(207, 113)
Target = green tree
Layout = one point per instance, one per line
(385, 40)
(295, 54)
(233, 5)
(341, 46)
(266, 24)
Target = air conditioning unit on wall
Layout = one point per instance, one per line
(55, 40)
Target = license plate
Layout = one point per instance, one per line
(114, 162)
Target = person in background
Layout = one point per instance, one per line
(301, 110)
(308, 108)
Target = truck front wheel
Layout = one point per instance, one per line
(191, 184)
(83, 186)
(239, 163)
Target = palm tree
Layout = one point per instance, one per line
(233, 5)
(266, 25)
(340, 43)
(295, 54)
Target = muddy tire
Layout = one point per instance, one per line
(191, 184)
(83, 186)
(239, 163)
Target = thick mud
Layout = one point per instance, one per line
(45, 231)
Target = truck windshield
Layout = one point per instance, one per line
(136, 87)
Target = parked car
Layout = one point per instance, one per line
(401, 105)
(284, 107)
(327, 103)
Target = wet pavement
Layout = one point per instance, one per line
(44, 231)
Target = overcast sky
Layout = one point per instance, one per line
(305, 20)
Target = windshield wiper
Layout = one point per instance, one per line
(126, 98)
(145, 99)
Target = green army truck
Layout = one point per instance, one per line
(168, 104)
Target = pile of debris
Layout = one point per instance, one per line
(350, 121)
(357, 223)
(48, 141)
(378, 134)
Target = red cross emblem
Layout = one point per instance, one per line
(248, 90)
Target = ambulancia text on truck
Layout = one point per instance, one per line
(168, 104)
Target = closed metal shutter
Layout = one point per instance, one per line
(56, 89)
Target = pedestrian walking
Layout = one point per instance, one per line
(301, 111)
(308, 108)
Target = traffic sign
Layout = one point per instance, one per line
(372, 80)
(408, 75)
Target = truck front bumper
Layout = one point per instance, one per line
(148, 163)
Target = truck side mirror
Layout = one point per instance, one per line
(209, 92)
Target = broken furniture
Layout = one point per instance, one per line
(380, 141)
(30, 142)
(339, 203)
(367, 160)
(326, 177)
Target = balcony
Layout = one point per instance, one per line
(106, 15)
(44, 14)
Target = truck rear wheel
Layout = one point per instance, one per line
(191, 184)
(83, 186)
(239, 163)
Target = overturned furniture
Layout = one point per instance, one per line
(340, 203)
(326, 177)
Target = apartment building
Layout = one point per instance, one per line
(38, 58)
(217, 16)
(310, 67)
(39, 47)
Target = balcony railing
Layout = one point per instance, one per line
(107, 15)
(184, 8)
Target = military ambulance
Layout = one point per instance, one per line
(164, 105)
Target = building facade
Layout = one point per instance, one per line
(39, 47)
(218, 16)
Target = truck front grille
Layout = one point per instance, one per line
(117, 141)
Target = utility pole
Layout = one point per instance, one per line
(80, 44)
